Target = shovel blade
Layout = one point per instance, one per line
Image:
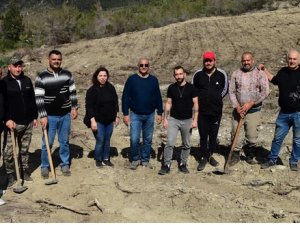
(50, 182)
(20, 189)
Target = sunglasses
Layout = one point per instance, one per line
(144, 65)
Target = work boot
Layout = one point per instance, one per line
(213, 162)
(183, 168)
(66, 170)
(11, 179)
(164, 169)
(235, 158)
(108, 163)
(202, 164)
(26, 176)
(45, 173)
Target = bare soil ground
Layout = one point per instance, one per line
(246, 194)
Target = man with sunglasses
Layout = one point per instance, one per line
(212, 85)
(141, 96)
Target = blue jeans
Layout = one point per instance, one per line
(283, 123)
(102, 136)
(138, 123)
(62, 125)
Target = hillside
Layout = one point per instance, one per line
(268, 35)
(246, 194)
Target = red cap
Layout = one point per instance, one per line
(209, 55)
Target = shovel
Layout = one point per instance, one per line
(19, 188)
(53, 181)
(234, 142)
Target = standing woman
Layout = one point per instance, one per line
(102, 110)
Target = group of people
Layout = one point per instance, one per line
(195, 104)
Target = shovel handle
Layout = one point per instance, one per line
(49, 153)
(235, 139)
(13, 141)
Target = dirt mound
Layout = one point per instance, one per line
(247, 194)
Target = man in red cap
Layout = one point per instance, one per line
(212, 85)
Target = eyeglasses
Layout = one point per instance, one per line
(144, 65)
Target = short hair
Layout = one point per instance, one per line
(95, 74)
(177, 68)
(54, 52)
(247, 53)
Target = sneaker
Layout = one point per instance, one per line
(235, 158)
(266, 165)
(108, 163)
(2, 202)
(11, 180)
(134, 164)
(183, 168)
(26, 176)
(202, 164)
(294, 167)
(213, 162)
(66, 170)
(45, 173)
(250, 160)
(99, 164)
(147, 164)
(164, 169)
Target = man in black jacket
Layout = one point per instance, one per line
(212, 86)
(20, 117)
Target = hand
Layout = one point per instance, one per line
(44, 122)
(246, 107)
(159, 119)
(117, 121)
(194, 123)
(261, 66)
(126, 120)
(11, 124)
(74, 114)
(166, 123)
(93, 124)
(35, 123)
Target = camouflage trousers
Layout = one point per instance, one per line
(23, 135)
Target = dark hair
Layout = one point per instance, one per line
(54, 52)
(95, 74)
(177, 68)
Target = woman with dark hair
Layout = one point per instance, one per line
(102, 109)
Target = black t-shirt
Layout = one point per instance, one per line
(182, 100)
(288, 82)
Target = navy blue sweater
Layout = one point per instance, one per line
(141, 95)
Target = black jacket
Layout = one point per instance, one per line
(211, 91)
(1, 101)
(20, 103)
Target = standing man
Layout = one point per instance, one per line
(142, 96)
(20, 117)
(212, 86)
(182, 98)
(248, 88)
(56, 100)
(288, 81)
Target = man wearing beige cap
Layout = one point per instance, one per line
(212, 85)
(20, 117)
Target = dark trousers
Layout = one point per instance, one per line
(208, 127)
(1, 129)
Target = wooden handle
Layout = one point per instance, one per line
(49, 153)
(13, 141)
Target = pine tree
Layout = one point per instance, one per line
(12, 25)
